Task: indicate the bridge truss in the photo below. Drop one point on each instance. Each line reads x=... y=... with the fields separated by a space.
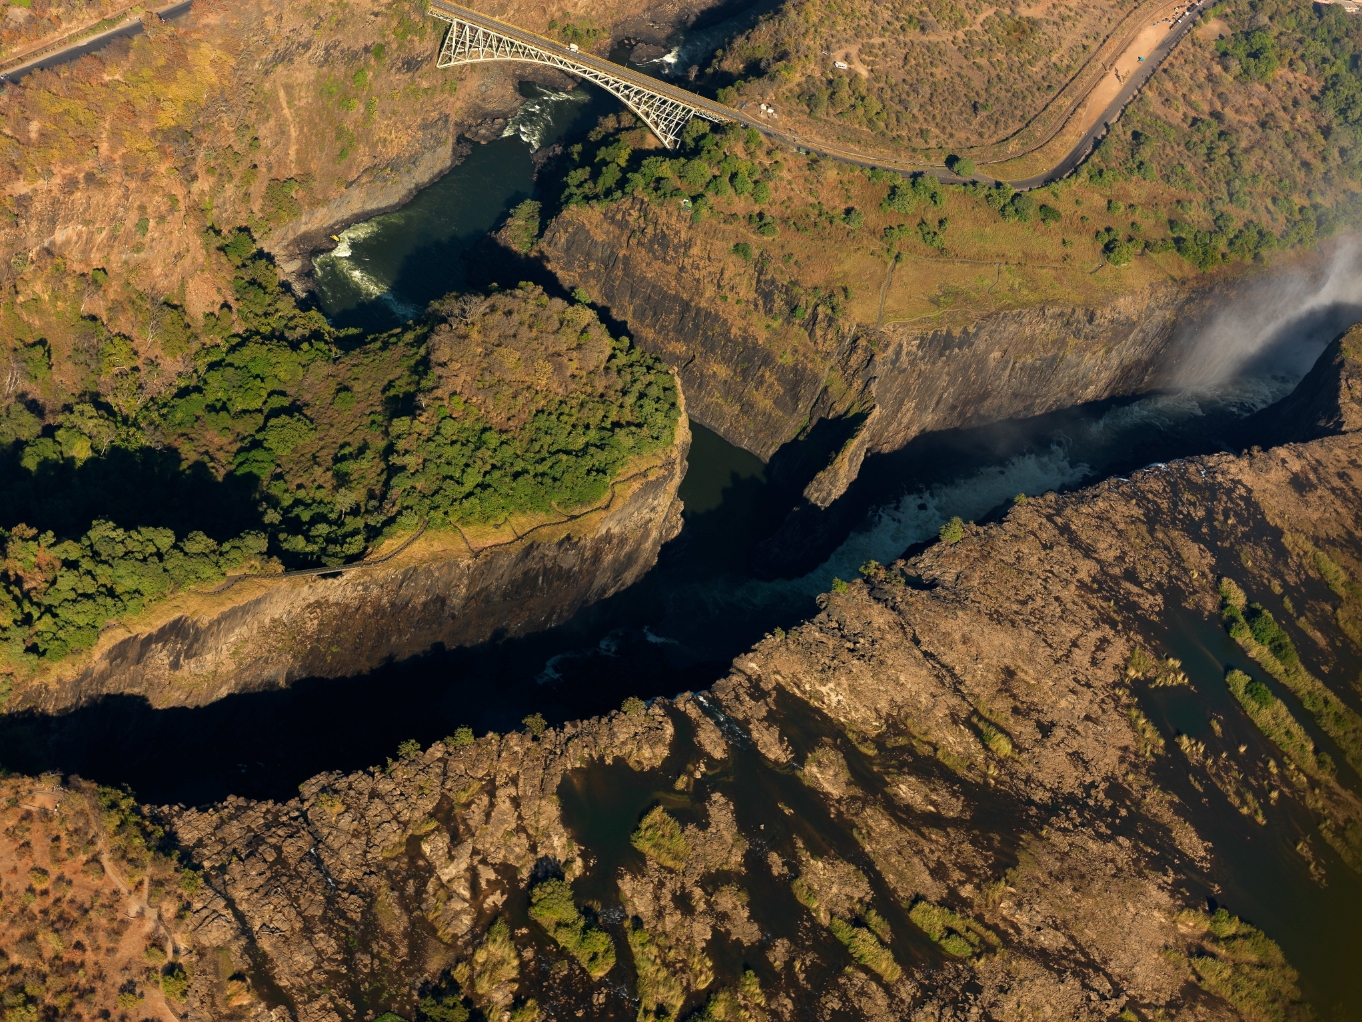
x=470 y=43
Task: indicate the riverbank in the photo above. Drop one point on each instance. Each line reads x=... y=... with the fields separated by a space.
x=964 y=762
x=448 y=587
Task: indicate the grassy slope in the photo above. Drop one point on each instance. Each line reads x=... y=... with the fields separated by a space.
x=1219 y=161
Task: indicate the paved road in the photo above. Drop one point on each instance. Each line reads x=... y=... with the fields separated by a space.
x=80 y=49
x=1151 y=63
x=608 y=67
x=1063 y=168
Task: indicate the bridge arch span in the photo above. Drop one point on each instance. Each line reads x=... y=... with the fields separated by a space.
x=665 y=110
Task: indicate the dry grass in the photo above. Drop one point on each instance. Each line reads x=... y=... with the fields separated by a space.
x=89 y=914
x=955 y=73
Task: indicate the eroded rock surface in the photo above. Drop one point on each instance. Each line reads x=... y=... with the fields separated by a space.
x=954 y=794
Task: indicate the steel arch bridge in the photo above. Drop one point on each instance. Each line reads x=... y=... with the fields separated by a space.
x=474 y=38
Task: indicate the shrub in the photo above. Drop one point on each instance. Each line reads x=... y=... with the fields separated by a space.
x=496 y=960
x=954 y=934
x=961 y=166
x=442 y=1007
x=1020 y=207
x=1239 y=963
x=998 y=743
x=552 y=907
x=1257 y=631
x=1119 y=253
x=175 y=981
x=659 y=837
x=866 y=949
x=1049 y=214
x=743 y=251
x=634 y=706
x=462 y=736
x=1278 y=724
x=660 y=993
x=953 y=531
x=522 y=227
x=536 y=724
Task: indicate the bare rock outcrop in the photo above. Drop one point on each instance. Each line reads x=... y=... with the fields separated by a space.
x=959 y=792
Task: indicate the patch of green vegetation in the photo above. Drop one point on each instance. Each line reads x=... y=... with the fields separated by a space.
x=634 y=706
x=1139 y=663
x=281 y=203
x=285 y=444
x=710 y=163
x=1257 y=631
x=175 y=981
x=535 y=724
x=954 y=934
x=659 y=837
x=1275 y=721
x=522 y=227
x=1147 y=737
x=960 y=165
x=659 y=992
x=1349 y=612
x=552 y=907
x=997 y=742
x=866 y=949
x=953 y=531
x=55 y=597
x=1239 y=963
x=495 y=962
x=443 y=1006
x=726 y=1006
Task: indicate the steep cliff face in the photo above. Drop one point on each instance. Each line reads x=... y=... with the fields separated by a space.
x=292 y=120
x=841 y=388
x=982 y=784
x=445 y=588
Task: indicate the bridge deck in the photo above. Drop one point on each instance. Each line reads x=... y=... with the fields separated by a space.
x=608 y=67
x=447 y=10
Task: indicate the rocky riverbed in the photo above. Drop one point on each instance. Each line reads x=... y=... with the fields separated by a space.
x=1004 y=777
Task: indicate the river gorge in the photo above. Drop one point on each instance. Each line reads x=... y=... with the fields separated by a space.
x=914 y=612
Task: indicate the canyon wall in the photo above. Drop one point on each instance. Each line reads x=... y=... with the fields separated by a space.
x=973 y=786
x=850 y=389
x=263 y=633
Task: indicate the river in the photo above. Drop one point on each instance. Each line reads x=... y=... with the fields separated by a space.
x=704 y=602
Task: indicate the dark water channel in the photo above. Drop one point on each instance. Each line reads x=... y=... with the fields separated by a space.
x=706 y=601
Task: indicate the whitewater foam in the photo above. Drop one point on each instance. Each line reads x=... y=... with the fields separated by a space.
x=536 y=116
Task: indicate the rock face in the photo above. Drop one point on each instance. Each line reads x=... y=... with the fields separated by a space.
x=962 y=791
x=858 y=390
x=1327 y=401
x=444 y=589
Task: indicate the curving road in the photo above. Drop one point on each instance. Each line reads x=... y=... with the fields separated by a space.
x=1063 y=168
x=1129 y=91
x=75 y=50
